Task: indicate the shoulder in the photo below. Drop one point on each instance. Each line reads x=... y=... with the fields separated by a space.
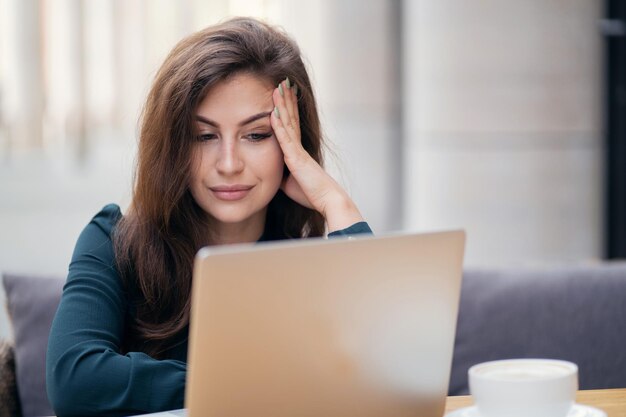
x=96 y=238
x=107 y=218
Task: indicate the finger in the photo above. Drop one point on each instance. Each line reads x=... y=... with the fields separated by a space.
x=287 y=139
x=281 y=114
x=284 y=107
x=294 y=154
x=290 y=103
x=296 y=115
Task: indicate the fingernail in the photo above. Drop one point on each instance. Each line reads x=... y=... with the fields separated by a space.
x=280 y=89
x=288 y=83
x=276 y=112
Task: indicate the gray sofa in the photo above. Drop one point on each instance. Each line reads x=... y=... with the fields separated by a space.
x=576 y=313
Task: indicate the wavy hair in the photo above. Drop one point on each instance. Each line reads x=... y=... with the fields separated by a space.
x=156 y=240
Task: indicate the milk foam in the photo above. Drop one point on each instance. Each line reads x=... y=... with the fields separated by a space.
x=524 y=372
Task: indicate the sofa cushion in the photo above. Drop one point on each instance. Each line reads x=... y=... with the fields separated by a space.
x=575 y=313
x=32 y=303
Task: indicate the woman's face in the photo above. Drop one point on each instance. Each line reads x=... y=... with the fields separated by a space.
x=238 y=163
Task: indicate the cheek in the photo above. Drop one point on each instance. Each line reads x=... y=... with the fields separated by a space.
x=274 y=162
x=266 y=162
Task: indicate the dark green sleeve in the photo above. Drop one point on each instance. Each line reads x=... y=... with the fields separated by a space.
x=85 y=373
x=356 y=229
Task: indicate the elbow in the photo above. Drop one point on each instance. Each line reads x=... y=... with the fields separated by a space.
x=66 y=390
x=60 y=393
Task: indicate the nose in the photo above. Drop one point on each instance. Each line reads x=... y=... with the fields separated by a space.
x=229 y=161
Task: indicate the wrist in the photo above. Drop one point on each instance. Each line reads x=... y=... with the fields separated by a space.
x=341 y=213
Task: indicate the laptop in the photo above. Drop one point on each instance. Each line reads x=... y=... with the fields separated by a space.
x=313 y=327
x=342 y=327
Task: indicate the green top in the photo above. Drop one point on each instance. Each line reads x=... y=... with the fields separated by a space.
x=85 y=372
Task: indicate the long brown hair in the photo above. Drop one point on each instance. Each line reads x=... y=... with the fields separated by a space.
x=157 y=239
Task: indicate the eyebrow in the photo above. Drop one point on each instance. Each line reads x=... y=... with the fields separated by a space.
x=244 y=122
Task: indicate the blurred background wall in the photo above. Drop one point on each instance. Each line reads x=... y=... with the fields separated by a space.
x=503 y=124
x=479 y=114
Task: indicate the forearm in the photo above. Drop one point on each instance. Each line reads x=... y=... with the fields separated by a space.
x=91 y=382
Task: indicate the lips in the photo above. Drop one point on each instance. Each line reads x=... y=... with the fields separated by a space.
x=231 y=192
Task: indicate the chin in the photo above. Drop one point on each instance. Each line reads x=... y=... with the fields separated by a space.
x=229 y=218
x=230 y=215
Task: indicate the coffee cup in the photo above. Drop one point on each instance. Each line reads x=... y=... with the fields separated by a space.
x=524 y=387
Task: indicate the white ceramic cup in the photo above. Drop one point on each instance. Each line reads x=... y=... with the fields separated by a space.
x=524 y=387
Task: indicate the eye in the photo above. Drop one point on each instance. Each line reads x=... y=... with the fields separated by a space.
x=205 y=137
x=257 y=137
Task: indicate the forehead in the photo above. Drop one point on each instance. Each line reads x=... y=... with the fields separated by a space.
x=236 y=98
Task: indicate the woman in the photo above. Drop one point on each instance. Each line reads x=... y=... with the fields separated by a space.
x=229 y=152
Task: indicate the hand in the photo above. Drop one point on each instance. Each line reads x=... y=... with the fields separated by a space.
x=308 y=184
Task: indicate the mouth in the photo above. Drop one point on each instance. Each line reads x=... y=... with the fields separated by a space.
x=231 y=192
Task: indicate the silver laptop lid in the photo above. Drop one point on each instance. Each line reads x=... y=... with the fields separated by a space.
x=313 y=327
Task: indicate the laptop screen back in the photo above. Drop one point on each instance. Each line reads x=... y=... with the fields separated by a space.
x=315 y=327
